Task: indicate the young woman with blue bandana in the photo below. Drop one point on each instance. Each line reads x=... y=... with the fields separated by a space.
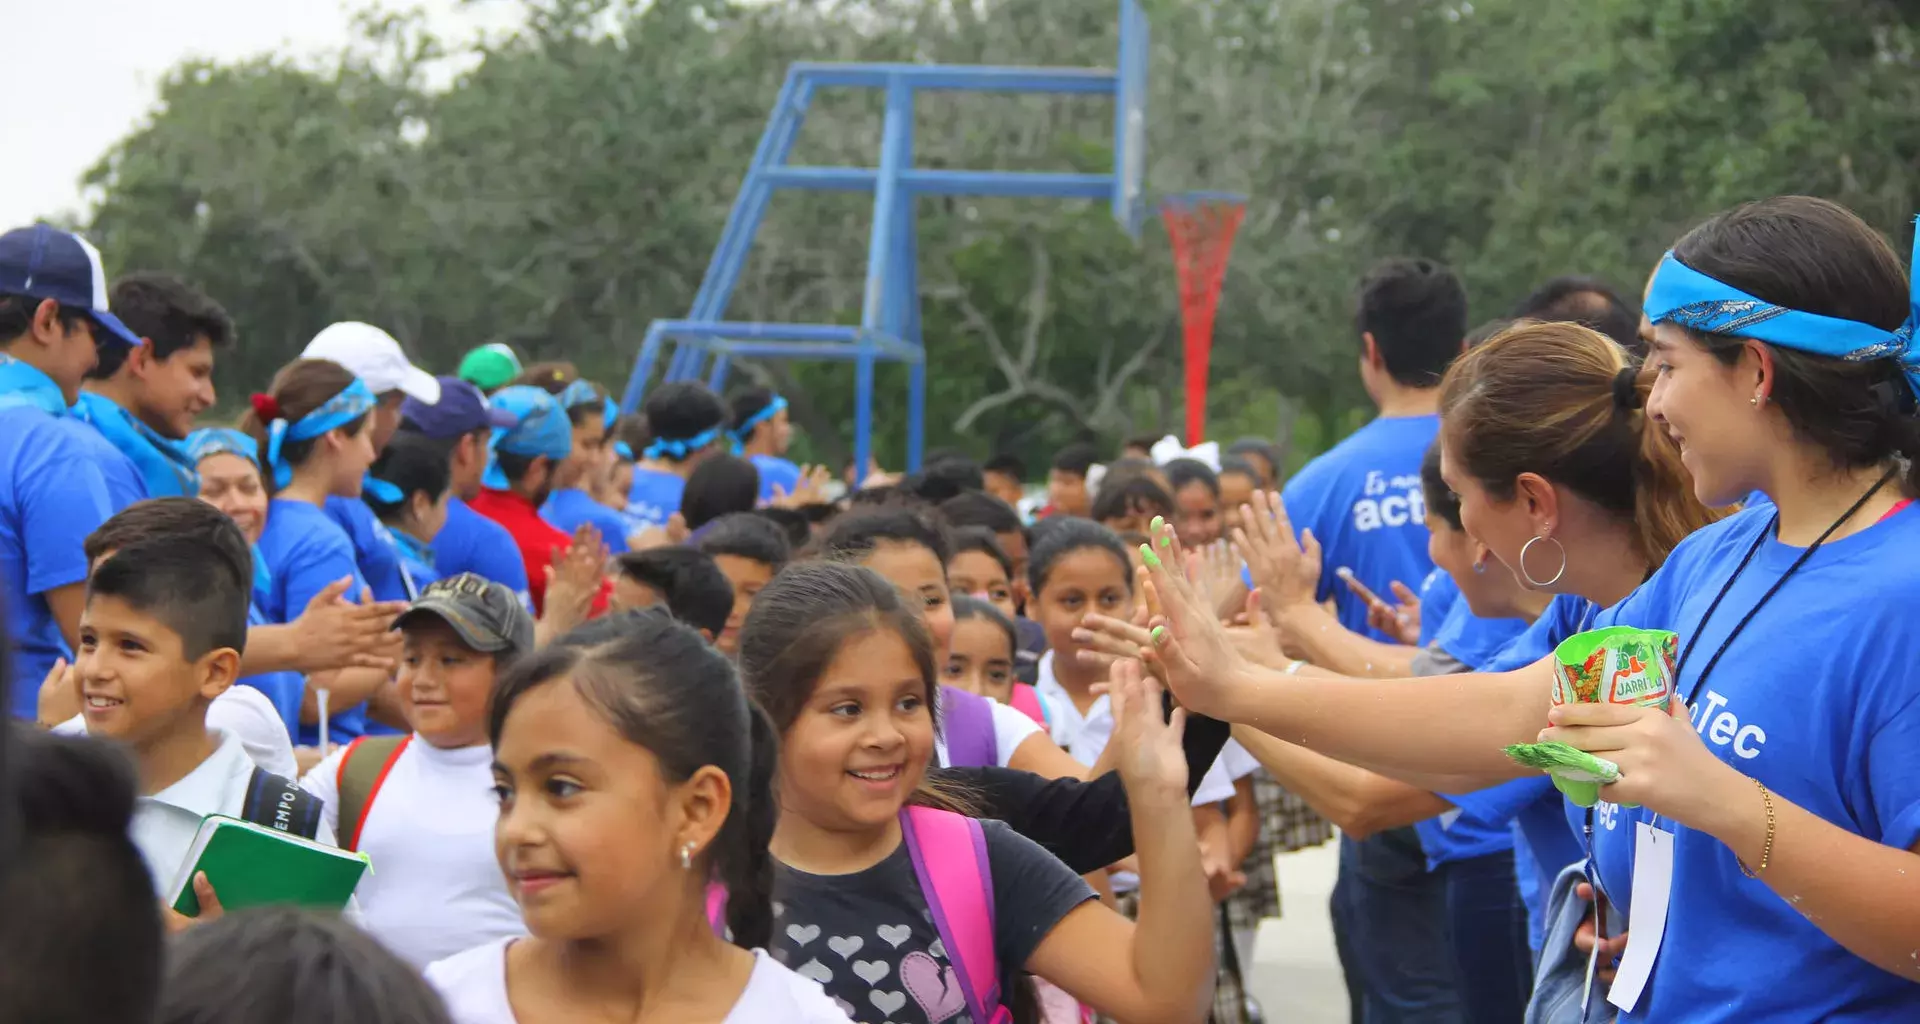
x=314 y=444
x=761 y=433
x=1769 y=870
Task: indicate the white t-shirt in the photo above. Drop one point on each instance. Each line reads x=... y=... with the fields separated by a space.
x=1085 y=737
x=1011 y=727
x=165 y=823
x=435 y=888
x=243 y=713
x=474 y=985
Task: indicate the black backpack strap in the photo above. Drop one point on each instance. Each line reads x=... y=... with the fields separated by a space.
x=280 y=804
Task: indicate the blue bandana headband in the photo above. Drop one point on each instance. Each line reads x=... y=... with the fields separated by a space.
x=1684 y=297
x=577 y=394
x=353 y=402
x=745 y=430
x=623 y=450
x=222 y=441
x=682 y=449
x=541 y=429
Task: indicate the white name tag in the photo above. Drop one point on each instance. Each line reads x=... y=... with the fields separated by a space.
x=1652 y=888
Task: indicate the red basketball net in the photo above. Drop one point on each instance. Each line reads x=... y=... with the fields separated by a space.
x=1202 y=230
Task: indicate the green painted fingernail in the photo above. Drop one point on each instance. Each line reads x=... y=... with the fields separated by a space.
x=1166 y=542
x=1159 y=635
x=1157 y=523
x=1147 y=553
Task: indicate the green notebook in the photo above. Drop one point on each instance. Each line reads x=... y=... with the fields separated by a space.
x=251 y=865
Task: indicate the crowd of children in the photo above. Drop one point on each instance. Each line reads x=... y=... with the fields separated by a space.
x=632 y=718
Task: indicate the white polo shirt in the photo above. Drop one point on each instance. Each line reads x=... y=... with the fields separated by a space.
x=165 y=823
x=246 y=714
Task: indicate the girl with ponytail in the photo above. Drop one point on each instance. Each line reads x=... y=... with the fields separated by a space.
x=634 y=777
x=1779 y=802
x=314 y=444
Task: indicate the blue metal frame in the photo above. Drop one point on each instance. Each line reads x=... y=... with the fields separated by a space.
x=889 y=327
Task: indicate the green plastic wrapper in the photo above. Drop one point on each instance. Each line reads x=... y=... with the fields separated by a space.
x=1616 y=665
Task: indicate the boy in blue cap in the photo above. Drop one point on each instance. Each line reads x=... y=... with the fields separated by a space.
x=462 y=423
x=53 y=308
x=518 y=479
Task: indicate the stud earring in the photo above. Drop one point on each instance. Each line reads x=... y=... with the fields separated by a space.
x=686 y=856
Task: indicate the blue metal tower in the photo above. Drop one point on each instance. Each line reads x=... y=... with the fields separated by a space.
x=889 y=326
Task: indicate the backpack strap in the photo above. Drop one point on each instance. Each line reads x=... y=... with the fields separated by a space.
x=280 y=804
x=967 y=723
x=1026 y=700
x=949 y=854
x=363 y=770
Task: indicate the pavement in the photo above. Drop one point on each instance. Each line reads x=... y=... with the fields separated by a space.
x=1296 y=974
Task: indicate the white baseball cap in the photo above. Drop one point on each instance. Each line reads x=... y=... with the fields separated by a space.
x=374 y=357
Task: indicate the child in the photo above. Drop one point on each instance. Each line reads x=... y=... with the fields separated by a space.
x=1126 y=504
x=1196 y=502
x=722 y=485
x=161 y=637
x=284 y=965
x=418 y=804
x=687 y=582
x=1238 y=480
x=978 y=508
x=631 y=773
x=314 y=443
x=982 y=658
x=749 y=549
x=909 y=550
x=520 y=476
x=846 y=670
x=1006 y=478
x=980 y=568
x=1067 y=482
x=762 y=432
x=408 y=489
x=76 y=892
x=571 y=502
x=687 y=423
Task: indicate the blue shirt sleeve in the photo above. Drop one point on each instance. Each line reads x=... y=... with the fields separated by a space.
x=62 y=498
x=373 y=554
x=470 y=542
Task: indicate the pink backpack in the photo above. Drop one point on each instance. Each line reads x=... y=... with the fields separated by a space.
x=1026 y=700
x=949 y=853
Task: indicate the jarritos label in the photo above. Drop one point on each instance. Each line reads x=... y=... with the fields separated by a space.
x=1617 y=665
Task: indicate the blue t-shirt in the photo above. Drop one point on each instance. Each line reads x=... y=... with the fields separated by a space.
x=1816 y=699
x=163 y=466
x=284 y=689
x=1481 y=823
x=1362 y=500
x=373 y=550
x=567 y=509
x=306 y=550
x=1438 y=594
x=775 y=471
x=470 y=542
x=1472 y=640
x=51 y=496
x=124 y=483
x=654 y=496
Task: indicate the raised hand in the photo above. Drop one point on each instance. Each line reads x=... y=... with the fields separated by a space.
x=1191 y=649
x=1401 y=621
x=337 y=632
x=59 y=694
x=1150 y=758
x=810 y=489
x=1286 y=570
x=1216 y=576
x=573 y=580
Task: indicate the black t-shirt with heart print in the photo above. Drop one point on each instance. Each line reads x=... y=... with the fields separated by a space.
x=869 y=939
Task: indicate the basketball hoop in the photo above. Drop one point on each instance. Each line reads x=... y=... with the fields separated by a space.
x=1201 y=226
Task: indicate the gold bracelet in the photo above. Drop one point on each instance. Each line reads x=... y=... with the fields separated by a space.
x=1766 y=851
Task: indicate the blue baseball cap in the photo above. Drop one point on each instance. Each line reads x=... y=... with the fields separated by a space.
x=461 y=410
x=540 y=427
x=44 y=262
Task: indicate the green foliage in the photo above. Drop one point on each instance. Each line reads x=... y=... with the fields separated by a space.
x=569 y=185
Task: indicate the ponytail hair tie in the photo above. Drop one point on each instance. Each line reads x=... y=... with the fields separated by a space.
x=1626 y=389
x=266 y=407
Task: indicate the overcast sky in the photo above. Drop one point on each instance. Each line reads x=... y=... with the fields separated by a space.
x=86 y=72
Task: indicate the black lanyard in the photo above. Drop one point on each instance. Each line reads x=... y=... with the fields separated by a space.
x=1693 y=694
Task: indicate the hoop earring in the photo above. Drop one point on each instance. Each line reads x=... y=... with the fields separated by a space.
x=1527 y=577
x=686 y=857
